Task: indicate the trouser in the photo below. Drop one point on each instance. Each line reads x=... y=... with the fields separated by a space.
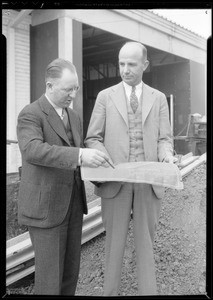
x=57 y=252
x=116 y=213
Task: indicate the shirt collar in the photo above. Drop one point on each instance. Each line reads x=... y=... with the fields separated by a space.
x=128 y=89
x=57 y=108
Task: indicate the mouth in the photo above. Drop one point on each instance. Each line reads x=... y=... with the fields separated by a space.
x=127 y=78
x=68 y=102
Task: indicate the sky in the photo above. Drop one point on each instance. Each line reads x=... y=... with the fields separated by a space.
x=196 y=20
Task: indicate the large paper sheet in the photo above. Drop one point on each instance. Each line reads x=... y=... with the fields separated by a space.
x=157 y=173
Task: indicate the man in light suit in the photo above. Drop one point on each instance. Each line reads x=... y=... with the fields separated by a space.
x=51 y=199
x=130 y=123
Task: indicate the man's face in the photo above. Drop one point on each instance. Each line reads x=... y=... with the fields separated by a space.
x=63 y=90
x=132 y=64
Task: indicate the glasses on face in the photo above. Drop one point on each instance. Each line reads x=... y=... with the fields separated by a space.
x=73 y=89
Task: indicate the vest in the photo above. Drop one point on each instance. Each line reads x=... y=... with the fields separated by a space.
x=69 y=133
x=135 y=133
x=77 y=174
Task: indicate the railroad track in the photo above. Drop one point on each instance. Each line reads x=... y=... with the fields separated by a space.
x=19 y=251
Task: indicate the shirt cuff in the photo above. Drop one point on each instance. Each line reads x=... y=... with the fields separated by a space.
x=79 y=157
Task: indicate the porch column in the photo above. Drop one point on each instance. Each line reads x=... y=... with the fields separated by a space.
x=70 y=48
x=11 y=86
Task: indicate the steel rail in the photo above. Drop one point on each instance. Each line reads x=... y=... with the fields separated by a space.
x=19 y=251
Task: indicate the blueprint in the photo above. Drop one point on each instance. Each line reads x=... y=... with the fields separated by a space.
x=157 y=173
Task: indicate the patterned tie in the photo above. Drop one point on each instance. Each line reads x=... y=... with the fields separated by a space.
x=64 y=117
x=133 y=100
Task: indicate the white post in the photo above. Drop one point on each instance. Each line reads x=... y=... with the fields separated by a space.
x=65 y=38
x=11 y=86
x=172 y=113
x=205 y=112
x=70 y=36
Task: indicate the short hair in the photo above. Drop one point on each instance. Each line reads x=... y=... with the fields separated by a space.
x=55 y=69
x=143 y=48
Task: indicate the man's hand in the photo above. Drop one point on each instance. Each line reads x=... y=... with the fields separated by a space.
x=170 y=159
x=94 y=158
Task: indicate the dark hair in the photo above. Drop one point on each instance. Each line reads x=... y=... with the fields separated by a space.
x=55 y=68
x=143 y=48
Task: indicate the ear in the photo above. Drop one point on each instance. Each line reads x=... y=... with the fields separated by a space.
x=49 y=86
x=145 y=65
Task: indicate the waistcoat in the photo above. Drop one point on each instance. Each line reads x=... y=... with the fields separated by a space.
x=135 y=133
x=69 y=133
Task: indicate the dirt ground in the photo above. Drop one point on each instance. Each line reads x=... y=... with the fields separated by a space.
x=180 y=248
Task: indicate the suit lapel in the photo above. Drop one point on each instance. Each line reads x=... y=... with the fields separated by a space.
x=53 y=119
x=118 y=96
x=148 y=100
x=57 y=125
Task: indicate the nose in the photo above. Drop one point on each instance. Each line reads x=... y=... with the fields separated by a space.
x=126 y=69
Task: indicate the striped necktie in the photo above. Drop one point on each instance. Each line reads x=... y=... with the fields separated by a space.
x=133 y=100
x=64 y=117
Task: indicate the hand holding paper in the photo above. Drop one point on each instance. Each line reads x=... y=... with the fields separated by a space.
x=94 y=158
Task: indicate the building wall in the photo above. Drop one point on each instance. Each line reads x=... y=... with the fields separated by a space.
x=21 y=83
x=18 y=80
x=22 y=70
x=198 y=88
x=13 y=158
x=43 y=49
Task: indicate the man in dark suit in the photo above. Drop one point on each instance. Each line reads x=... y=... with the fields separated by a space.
x=51 y=199
x=130 y=123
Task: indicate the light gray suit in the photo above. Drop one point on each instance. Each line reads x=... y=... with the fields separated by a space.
x=109 y=131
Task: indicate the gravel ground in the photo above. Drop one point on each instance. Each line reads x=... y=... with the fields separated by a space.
x=180 y=248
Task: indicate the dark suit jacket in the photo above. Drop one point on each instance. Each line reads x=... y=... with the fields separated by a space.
x=48 y=164
x=108 y=130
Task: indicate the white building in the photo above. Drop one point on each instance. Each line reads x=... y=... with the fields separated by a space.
x=91 y=39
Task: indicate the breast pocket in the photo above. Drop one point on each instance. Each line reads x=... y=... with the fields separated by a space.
x=34 y=200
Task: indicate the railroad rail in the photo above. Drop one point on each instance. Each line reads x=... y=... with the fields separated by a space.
x=19 y=250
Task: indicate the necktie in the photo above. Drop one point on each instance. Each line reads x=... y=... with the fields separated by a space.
x=133 y=100
x=64 y=117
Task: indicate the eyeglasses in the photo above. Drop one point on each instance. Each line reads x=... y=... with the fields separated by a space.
x=75 y=88
x=71 y=90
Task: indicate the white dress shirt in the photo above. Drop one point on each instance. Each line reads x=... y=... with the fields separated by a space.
x=57 y=108
x=128 y=90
